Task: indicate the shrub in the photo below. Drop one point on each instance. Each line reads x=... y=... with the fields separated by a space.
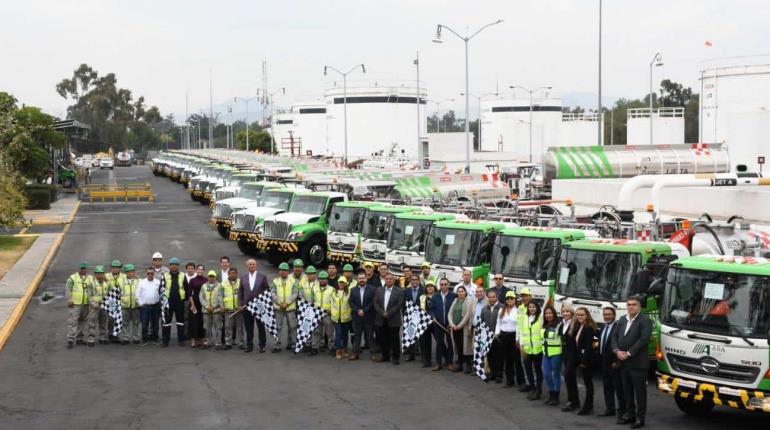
x=38 y=198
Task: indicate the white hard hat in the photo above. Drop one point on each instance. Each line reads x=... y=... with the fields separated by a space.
x=157 y=255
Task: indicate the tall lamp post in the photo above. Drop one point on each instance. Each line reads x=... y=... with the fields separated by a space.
x=465 y=39
x=235 y=100
x=513 y=87
x=268 y=99
x=480 y=98
x=657 y=61
x=345 y=98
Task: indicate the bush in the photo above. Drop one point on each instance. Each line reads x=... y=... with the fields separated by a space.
x=38 y=198
x=53 y=190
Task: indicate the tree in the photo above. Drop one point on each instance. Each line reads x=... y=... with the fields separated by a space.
x=673 y=94
x=258 y=140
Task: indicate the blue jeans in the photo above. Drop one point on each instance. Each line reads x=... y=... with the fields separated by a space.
x=149 y=315
x=341 y=334
x=552 y=372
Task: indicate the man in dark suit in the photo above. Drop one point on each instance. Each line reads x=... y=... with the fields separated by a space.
x=361 y=303
x=630 y=344
x=608 y=364
x=438 y=308
x=495 y=355
x=412 y=293
x=389 y=304
x=253 y=284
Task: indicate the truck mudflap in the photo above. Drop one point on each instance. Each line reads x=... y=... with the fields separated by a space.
x=342 y=257
x=739 y=398
x=282 y=246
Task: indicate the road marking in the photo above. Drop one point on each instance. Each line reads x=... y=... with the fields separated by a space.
x=176 y=243
x=134 y=212
x=111 y=177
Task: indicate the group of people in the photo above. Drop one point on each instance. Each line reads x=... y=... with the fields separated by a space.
x=531 y=346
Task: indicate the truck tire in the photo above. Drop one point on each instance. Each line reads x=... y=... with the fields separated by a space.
x=246 y=247
x=223 y=231
x=693 y=408
x=274 y=257
x=67 y=183
x=203 y=201
x=313 y=252
x=193 y=198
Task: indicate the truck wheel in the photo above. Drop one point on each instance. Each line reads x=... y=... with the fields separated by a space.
x=693 y=408
x=203 y=201
x=193 y=198
x=274 y=257
x=246 y=248
x=67 y=183
x=223 y=231
x=313 y=252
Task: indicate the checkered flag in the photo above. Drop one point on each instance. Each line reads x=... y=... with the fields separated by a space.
x=482 y=341
x=308 y=318
x=416 y=321
x=163 y=301
x=262 y=309
x=111 y=304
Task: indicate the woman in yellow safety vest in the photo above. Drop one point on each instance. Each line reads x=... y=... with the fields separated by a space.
x=551 y=354
x=341 y=317
x=531 y=345
x=426 y=339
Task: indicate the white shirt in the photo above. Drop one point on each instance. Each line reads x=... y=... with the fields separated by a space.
x=252 y=280
x=387 y=297
x=628 y=325
x=224 y=274
x=605 y=339
x=470 y=288
x=361 y=291
x=565 y=327
x=147 y=292
x=189 y=278
x=507 y=322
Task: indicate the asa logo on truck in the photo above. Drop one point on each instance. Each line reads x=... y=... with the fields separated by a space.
x=705 y=349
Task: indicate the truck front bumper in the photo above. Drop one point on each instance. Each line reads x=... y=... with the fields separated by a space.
x=343 y=257
x=282 y=246
x=739 y=398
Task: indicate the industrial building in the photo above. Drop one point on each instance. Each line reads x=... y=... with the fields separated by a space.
x=301 y=130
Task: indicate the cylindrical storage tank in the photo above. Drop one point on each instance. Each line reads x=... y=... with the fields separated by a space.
x=380 y=118
x=283 y=129
x=505 y=125
x=668 y=126
x=310 y=126
x=625 y=161
x=578 y=129
x=735 y=107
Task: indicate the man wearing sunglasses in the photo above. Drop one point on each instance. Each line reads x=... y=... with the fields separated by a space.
x=499 y=286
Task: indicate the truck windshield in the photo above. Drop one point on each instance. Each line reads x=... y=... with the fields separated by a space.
x=409 y=235
x=714 y=302
x=346 y=219
x=525 y=257
x=251 y=192
x=376 y=225
x=311 y=205
x=454 y=247
x=278 y=200
x=597 y=275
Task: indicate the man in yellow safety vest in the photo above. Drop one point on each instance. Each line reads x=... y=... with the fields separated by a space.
x=229 y=290
x=284 y=292
x=131 y=320
x=77 y=290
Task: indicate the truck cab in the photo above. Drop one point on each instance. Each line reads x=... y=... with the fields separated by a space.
x=458 y=245
x=300 y=232
x=715 y=332
x=247 y=222
x=407 y=236
x=375 y=232
x=248 y=196
x=232 y=186
x=344 y=235
x=529 y=257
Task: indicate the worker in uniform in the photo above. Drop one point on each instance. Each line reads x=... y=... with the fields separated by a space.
x=308 y=293
x=131 y=320
x=77 y=290
x=211 y=306
x=405 y=280
x=425 y=274
x=117 y=279
x=285 y=294
x=327 y=327
x=230 y=287
x=157 y=265
x=525 y=296
x=347 y=272
x=173 y=287
x=298 y=274
x=98 y=293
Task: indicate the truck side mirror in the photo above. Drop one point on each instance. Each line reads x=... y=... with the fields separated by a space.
x=543 y=276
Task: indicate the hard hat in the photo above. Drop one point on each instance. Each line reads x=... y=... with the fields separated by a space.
x=425 y=264
x=283 y=266
x=116 y=263
x=310 y=270
x=323 y=275
x=430 y=281
x=510 y=294
x=83 y=265
x=347 y=268
x=299 y=263
x=212 y=273
x=129 y=267
x=99 y=269
x=157 y=255
x=525 y=292
x=342 y=279
x=368 y=264
x=173 y=260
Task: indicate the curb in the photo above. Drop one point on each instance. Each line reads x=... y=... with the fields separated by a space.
x=13 y=320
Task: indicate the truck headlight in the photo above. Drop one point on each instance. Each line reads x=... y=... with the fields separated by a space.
x=295 y=235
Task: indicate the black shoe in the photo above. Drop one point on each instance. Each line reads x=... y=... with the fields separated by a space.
x=586 y=410
x=637 y=424
x=124 y=342
x=181 y=343
x=508 y=386
x=275 y=349
x=241 y=347
x=103 y=342
x=164 y=345
x=91 y=344
x=261 y=349
x=606 y=413
x=623 y=420
x=248 y=349
x=313 y=351
x=218 y=348
x=498 y=380
x=525 y=388
x=409 y=358
x=395 y=361
x=80 y=342
x=227 y=347
x=136 y=342
x=426 y=365
x=70 y=345
x=568 y=408
x=531 y=395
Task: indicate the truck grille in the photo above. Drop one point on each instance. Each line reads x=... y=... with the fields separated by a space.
x=221 y=195
x=193 y=183
x=276 y=230
x=372 y=255
x=342 y=247
x=726 y=371
x=244 y=222
x=222 y=210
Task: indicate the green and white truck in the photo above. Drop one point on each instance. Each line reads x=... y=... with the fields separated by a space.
x=344 y=235
x=528 y=257
x=248 y=195
x=247 y=222
x=407 y=236
x=458 y=245
x=300 y=232
x=374 y=236
x=715 y=332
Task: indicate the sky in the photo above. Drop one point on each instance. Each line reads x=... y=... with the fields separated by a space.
x=166 y=49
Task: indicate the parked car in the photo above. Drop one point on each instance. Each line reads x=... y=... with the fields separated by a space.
x=106 y=163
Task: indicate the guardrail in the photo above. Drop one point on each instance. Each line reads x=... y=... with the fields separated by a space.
x=116 y=193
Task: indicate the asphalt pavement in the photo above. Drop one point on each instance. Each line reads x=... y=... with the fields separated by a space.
x=43 y=385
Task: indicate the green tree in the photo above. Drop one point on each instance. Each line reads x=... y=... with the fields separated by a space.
x=258 y=140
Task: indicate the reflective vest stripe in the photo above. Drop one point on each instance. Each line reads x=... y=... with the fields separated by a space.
x=128 y=293
x=230 y=293
x=552 y=341
x=78 y=292
x=180 y=280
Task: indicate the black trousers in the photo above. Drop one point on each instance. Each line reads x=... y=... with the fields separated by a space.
x=533 y=366
x=175 y=311
x=363 y=330
x=390 y=344
x=426 y=343
x=248 y=322
x=458 y=338
x=634 y=383
x=570 y=381
x=495 y=360
x=613 y=388
x=511 y=361
x=588 y=381
x=443 y=346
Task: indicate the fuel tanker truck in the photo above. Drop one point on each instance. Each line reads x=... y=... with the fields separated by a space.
x=481 y=187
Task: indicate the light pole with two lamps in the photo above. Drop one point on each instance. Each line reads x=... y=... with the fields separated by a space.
x=513 y=87
x=345 y=98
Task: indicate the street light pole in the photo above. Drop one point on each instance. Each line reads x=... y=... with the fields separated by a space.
x=657 y=61
x=513 y=87
x=465 y=39
x=599 y=104
x=345 y=99
x=267 y=99
x=235 y=100
x=479 y=99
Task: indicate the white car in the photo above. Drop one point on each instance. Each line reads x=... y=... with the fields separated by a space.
x=106 y=163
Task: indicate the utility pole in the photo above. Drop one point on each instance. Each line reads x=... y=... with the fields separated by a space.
x=210 y=143
x=419 y=143
x=599 y=110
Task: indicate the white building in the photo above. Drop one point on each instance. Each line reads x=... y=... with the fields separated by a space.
x=667 y=126
x=735 y=108
x=379 y=119
x=301 y=130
